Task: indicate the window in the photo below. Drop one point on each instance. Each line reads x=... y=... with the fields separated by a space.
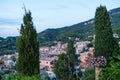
x=46 y=62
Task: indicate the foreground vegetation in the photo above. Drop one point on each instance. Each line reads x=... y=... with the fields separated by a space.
x=16 y=76
x=106 y=61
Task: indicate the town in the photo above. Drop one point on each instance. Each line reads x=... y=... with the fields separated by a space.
x=49 y=55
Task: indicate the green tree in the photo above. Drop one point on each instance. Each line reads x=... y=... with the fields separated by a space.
x=116 y=49
x=16 y=76
x=104 y=36
x=88 y=74
x=72 y=58
x=28 y=48
x=111 y=72
x=61 y=68
x=65 y=66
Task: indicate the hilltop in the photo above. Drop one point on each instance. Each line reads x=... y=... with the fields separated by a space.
x=81 y=30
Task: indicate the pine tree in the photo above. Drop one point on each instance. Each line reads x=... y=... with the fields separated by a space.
x=72 y=58
x=28 y=48
x=104 y=36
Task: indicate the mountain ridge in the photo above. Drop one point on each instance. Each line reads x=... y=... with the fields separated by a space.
x=78 y=30
x=47 y=37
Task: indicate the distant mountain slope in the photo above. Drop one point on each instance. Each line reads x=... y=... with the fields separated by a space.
x=7 y=45
x=81 y=30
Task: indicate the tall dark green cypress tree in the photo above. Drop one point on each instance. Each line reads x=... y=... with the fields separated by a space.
x=61 y=68
x=28 y=48
x=72 y=58
x=104 y=36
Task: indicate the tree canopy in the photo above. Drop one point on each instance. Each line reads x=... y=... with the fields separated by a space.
x=103 y=33
x=28 y=48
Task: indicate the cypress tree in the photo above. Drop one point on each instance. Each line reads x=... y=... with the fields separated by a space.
x=65 y=66
x=104 y=36
x=116 y=50
x=61 y=68
x=72 y=58
x=28 y=48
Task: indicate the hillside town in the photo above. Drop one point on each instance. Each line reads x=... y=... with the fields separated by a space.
x=59 y=40
x=48 y=56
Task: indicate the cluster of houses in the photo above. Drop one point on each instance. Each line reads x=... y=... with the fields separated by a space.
x=49 y=55
x=84 y=57
x=7 y=62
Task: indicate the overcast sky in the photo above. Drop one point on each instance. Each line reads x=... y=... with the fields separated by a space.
x=48 y=13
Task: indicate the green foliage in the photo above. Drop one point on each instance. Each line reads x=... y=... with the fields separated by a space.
x=78 y=30
x=61 y=67
x=65 y=66
x=104 y=36
x=113 y=71
x=7 y=45
x=89 y=74
x=116 y=49
x=71 y=52
x=16 y=76
x=28 y=48
x=72 y=57
x=35 y=77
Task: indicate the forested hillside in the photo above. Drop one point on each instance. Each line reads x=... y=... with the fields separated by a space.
x=81 y=30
